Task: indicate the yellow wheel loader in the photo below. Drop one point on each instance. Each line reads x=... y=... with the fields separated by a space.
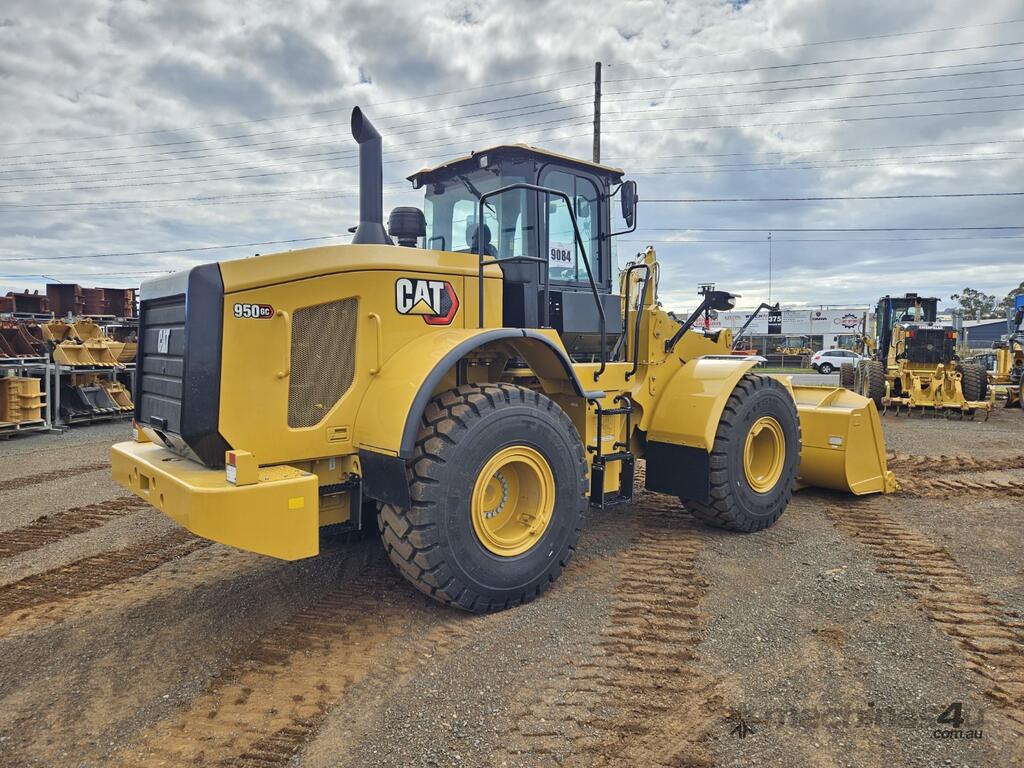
x=467 y=391
x=915 y=365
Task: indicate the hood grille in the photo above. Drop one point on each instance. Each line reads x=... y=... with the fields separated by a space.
x=323 y=350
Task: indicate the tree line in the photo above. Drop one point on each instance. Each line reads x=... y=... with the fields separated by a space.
x=978 y=305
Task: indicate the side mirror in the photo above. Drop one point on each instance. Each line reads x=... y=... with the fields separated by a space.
x=628 y=200
x=720 y=301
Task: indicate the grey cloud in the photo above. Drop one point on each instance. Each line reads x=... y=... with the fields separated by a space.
x=202 y=87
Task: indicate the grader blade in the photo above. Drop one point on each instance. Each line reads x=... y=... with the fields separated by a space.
x=843 y=447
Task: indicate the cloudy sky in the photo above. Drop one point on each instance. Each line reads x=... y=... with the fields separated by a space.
x=132 y=128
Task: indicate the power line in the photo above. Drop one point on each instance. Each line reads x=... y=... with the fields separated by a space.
x=339 y=154
x=245 y=148
x=506 y=82
x=641 y=95
x=842 y=40
x=26 y=188
x=821 y=122
x=175 y=250
x=265 y=133
x=835 y=197
x=270 y=145
x=835 y=150
x=923 y=92
x=838 y=165
x=506 y=98
x=851 y=60
x=827 y=229
x=331 y=157
x=761 y=241
x=643 y=114
x=317 y=112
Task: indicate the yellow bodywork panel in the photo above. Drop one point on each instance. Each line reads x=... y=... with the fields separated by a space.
x=842 y=443
x=276 y=516
x=389 y=397
x=388 y=351
x=687 y=409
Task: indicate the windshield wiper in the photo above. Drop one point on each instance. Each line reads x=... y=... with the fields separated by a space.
x=474 y=191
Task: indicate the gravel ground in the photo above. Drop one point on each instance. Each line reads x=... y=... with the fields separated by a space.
x=836 y=638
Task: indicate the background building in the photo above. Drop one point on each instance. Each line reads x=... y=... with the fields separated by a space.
x=821 y=328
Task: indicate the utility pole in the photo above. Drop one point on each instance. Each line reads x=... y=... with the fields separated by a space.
x=597 y=111
x=769 y=267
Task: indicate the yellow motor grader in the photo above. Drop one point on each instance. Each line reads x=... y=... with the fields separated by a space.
x=915 y=365
x=1008 y=373
x=468 y=391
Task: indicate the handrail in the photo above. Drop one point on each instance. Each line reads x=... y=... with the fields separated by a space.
x=287 y=371
x=636 y=327
x=547 y=274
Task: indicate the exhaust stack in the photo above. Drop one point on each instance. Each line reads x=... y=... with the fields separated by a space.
x=371 y=185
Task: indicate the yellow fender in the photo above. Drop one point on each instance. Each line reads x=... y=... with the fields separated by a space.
x=682 y=424
x=688 y=409
x=389 y=415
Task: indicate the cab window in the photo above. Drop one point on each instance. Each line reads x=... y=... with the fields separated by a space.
x=564 y=257
x=451 y=209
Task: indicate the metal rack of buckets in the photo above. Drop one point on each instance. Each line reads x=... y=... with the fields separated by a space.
x=59 y=373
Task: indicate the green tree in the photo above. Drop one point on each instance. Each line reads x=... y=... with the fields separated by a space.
x=976 y=305
x=1007 y=304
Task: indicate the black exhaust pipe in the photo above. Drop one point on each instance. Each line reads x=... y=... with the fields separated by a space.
x=371 y=183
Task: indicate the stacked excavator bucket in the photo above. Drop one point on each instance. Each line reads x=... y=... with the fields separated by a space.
x=21 y=400
x=81 y=344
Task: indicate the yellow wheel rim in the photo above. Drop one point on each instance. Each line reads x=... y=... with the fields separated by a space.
x=513 y=500
x=764 y=454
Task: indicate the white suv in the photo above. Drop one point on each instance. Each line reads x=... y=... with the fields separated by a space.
x=828 y=360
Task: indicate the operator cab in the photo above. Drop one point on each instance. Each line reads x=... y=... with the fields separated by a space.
x=531 y=224
x=921 y=338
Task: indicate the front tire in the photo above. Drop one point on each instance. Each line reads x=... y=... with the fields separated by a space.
x=847 y=376
x=498 y=483
x=825 y=369
x=871 y=380
x=973 y=381
x=755 y=458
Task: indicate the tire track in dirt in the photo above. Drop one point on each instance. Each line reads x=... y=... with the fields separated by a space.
x=272 y=699
x=51 y=475
x=50 y=528
x=639 y=697
x=985 y=630
x=79 y=579
x=942 y=488
x=264 y=705
x=918 y=465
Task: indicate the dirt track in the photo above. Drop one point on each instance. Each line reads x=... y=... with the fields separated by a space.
x=835 y=638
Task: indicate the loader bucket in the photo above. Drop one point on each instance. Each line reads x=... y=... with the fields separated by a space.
x=843 y=446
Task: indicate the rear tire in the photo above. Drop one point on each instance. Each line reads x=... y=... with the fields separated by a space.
x=973 y=381
x=871 y=380
x=748 y=495
x=464 y=541
x=847 y=375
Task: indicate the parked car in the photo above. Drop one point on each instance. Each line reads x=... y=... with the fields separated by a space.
x=828 y=360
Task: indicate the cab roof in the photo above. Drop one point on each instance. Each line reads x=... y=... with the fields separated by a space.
x=472 y=161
